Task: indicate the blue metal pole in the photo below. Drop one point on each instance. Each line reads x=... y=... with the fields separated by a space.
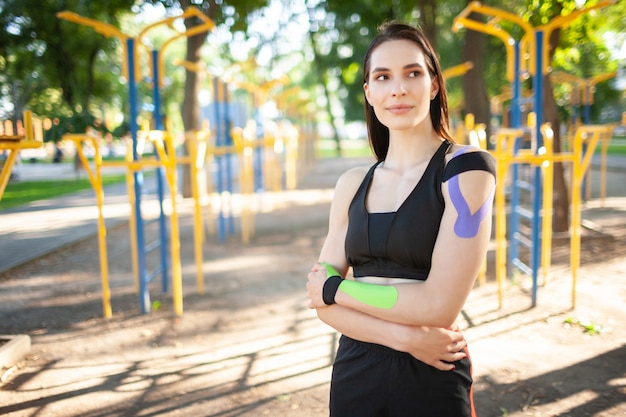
x=229 y=142
x=160 y=174
x=516 y=121
x=258 y=152
x=156 y=94
x=144 y=295
x=537 y=182
x=219 y=141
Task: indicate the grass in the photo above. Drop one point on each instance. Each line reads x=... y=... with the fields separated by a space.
x=349 y=149
x=617 y=146
x=22 y=193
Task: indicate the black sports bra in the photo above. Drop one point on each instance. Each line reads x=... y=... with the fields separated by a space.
x=400 y=244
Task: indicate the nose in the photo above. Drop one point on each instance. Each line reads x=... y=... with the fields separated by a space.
x=398 y=89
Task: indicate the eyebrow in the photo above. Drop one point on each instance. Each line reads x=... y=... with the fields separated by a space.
x=409 y=66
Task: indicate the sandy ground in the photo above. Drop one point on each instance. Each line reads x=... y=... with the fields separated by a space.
x=248 y=345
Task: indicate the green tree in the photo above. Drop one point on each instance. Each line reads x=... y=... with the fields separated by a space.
x=55 y=67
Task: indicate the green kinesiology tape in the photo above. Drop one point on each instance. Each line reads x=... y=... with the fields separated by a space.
x=380 y=296
x=330 y=270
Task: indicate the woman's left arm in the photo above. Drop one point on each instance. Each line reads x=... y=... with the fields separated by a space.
x=458 y=254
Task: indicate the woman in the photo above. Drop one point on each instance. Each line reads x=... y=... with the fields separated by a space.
x=414 y=227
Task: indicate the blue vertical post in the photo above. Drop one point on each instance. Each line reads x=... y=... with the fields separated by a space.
x=258 y=151
x=156 y=95
x=516 y=121
x=219 y=141
x=144 y=295
x=537 y=180
x=228 y=142
x=160 y=174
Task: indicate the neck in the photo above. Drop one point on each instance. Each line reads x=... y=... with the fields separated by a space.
x=408 y=149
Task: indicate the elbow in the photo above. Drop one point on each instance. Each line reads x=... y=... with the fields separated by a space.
x=322 y=314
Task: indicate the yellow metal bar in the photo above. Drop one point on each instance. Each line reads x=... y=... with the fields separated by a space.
x=546 y=216
x=103 y=28
x=561 y=22
x=590 y=134
x=503 y=155
x=457 y=70
x=7 y=168
x=169 y=163
x=14 y=143
x=206 y=26
x=95 y=178
x=195 y=166
x=576 y=220
x=508 y=41
x=527 y=43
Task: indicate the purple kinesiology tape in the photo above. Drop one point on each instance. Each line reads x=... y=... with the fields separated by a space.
x=466 y=224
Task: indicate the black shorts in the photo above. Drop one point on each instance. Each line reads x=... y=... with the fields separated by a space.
x=370 y=380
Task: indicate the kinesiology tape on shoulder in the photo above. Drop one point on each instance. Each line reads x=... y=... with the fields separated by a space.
x=468 y=223
x=380 y=296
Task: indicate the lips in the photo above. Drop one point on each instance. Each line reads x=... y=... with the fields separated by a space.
x=399 y=108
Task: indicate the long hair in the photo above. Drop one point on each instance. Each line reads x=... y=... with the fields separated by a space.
x=378 y=133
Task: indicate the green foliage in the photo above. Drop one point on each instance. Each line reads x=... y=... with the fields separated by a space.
x=586 y=326
x=59 y=69
x=52 y=66
x=76 y=123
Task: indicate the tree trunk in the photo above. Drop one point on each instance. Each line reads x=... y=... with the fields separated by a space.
x=474 y=88
x=428 y=14
x=323 y=80
x=190 y=108
x=560 y=199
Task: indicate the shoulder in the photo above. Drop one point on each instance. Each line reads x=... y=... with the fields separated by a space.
x=351 y=179
x=347 y=186
x=464 y=158
x=457 y=150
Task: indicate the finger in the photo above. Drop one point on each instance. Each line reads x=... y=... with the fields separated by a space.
x=443 y=366
x=453 y=357
x=456 y=337
x=457 y=346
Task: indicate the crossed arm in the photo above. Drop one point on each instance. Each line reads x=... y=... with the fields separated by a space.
x=457 y=257
x=456 y=260
x=400 y=326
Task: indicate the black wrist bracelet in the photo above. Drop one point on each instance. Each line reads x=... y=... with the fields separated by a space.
x=331 y=285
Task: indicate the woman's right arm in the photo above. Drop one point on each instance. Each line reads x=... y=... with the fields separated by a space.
x=434 y=346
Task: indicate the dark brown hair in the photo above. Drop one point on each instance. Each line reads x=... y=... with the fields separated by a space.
x=377 y=132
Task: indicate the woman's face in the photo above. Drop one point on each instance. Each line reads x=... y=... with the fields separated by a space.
x=399 y=86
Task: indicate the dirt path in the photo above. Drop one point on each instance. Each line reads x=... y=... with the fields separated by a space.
x=249 y=346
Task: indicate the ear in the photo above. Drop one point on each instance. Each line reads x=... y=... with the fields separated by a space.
x=434 y=88
x=366 y=90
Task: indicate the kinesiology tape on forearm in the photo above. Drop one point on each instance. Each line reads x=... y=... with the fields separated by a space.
x=380 y=296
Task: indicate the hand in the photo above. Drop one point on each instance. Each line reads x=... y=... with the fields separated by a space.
x=315 y=285
x=435 y=346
